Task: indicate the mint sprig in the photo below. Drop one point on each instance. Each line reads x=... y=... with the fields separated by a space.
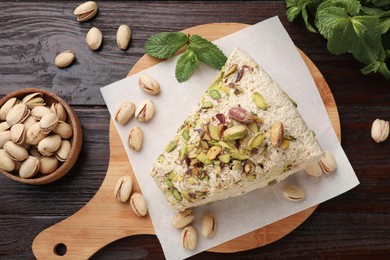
x=359 y=27
x=165 y=45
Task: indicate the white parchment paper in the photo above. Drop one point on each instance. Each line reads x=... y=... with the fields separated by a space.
x=270 y=45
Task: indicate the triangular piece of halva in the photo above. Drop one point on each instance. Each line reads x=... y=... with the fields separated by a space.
x=245 y=133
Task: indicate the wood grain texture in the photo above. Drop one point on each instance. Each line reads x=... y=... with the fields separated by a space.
x=88 y=230
x=354 y=225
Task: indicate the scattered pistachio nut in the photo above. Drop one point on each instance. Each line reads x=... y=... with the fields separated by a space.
x=380 y=130
x=183 y=218
x=17 y=114
x=6 y=163
x=328 y=163
x=148 y=84
x=314 y=169
x=64 y=59
x=29 y=167
x=48 y=165
x=6 y=107
x=94 y=38
x=208 y=225
x=85 y=11
x=189 y=238
x=293 y=193
x=145 y=111
x=276 y=134
x=125 y=112
x=135 y=138
x=123 y=36
x=138 y=204
x=123 y=188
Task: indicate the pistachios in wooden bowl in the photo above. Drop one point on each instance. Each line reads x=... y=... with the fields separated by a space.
x=40 y=136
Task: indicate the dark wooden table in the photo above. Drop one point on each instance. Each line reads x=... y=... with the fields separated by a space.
x=353 y=225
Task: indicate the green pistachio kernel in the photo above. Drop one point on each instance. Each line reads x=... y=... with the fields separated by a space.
x=251 y=177
x=202 y=157
x=207 y=104
x=177 y=195
x=259 y=101
x=285 y=144
x=235 y=132
x=183 y=152
x=171 y=175
x=237 y=165
x=186 y=134
x=213 y=152
x=239 y=155
x=225 y=158
x=214 y=94
x=161 y=158
x=253 y=127
x=256 y=141
x=214 y=132
x=169 y=148
x=169 y=183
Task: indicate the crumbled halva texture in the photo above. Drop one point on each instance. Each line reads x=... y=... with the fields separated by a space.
x=245 y=133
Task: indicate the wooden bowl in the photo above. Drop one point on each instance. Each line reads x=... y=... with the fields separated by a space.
x=75 y=140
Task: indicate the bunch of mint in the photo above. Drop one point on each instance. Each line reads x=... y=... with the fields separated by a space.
x=164 y=46
x=359 y=27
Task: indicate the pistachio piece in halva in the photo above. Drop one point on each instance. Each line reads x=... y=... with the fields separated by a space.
x=145 y=111
x=17 y=114
x=15 y=152
x=64 y=150
x=6 y=107
x=314 y=169
x=48 y=122
x=49 y=145
x=18 y=134
x=276 y=134
x=38 y=112
x=85 y=11
x=59 y=110
x=234 y=133
x=241 y=115
x=125 y=112
x=5 y=136
x=6 y=163
x=94 y=38
x=4 y=126
x=63 y=129
x=64 y=59
x=380 y=130
x=138 y=204
x=259 y=101
x=123 y=36
x=29 y=167
x=123 y=188
x=328 y=163
x=189 y=238
x=34 y=134
x=256 y=140
x=48 y=165
x=293 y=192
x=34 y=99
x=135 y=138
x=183 y=218
x=208 y=225
x=148 y=84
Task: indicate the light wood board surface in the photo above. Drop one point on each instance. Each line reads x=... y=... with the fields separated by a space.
x=104 y=220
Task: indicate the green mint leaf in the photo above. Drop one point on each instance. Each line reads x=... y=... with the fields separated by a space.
x=352 y=7
x=186 y=65
x=375 y=11
x=381 y=3
x=293 y=10
x=207 y=51
x=306 y=19
x=384 y=25
x=164 y=45
x=297 y=7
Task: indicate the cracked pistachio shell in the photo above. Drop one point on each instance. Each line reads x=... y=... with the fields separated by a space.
x=5 y=136
x=123 y=36
x=18 y=134
x=48 y=165
x=6 y=163
x=49 y=145
x=138 y=204
x=209 y=225
x=29 y=122
x=314 y=169
x=145 y=111
x=94 y=38
x=34 y=134
x=148 y=84
x=135 y=138
x=183 y=218
x=4 y=126
x=38 y=112
x=63 y=152
x=17 y=114
x=293 y=193
x=63 y=129
x=59 y=110
x=48 y=122
x=64 y=59
x=34 y=99
x=189 y=238
x=29 y=167
x=15 y=152
x=276 y=134
x=123 y=188
x=6 y=107
x=380 y=130
x=125 y=112
x=85 y=11
x=328 y=163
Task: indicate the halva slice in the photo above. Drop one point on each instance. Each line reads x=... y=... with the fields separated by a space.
x=244 y=134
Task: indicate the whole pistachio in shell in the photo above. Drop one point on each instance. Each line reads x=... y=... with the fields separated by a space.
x=5 y=136
x=34 y=134
x=189 y=238
x=29 y=122
x=208 y=225
x=6 y=107
x=33 y=151
x=148 y=84
x=85 y=11
x=6 y=163
x=145 y=111
x=138 y=204
x=328 y=163
x=123 y=188
x=4 y=126
x=135 y=138
x=183 y=218
x=123 y=36
x=29 y=167
x=125 y=112
x=47 y=165
x=64 y=150
x=64 y=59
x=48 y=122
x=49 y=145
x=18 y=134
x=17 y=114
x=63 y=129
x=314 y=169
x=59 y=110
x=380 y=130
x=34 y=99
x=94 y=38
x=38 y=112
x=15 y=152
x=293 y=193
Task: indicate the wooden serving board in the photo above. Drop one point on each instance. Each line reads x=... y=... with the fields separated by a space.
x=104 y=220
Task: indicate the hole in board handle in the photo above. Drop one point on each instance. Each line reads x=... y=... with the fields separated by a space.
x=60 y=249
